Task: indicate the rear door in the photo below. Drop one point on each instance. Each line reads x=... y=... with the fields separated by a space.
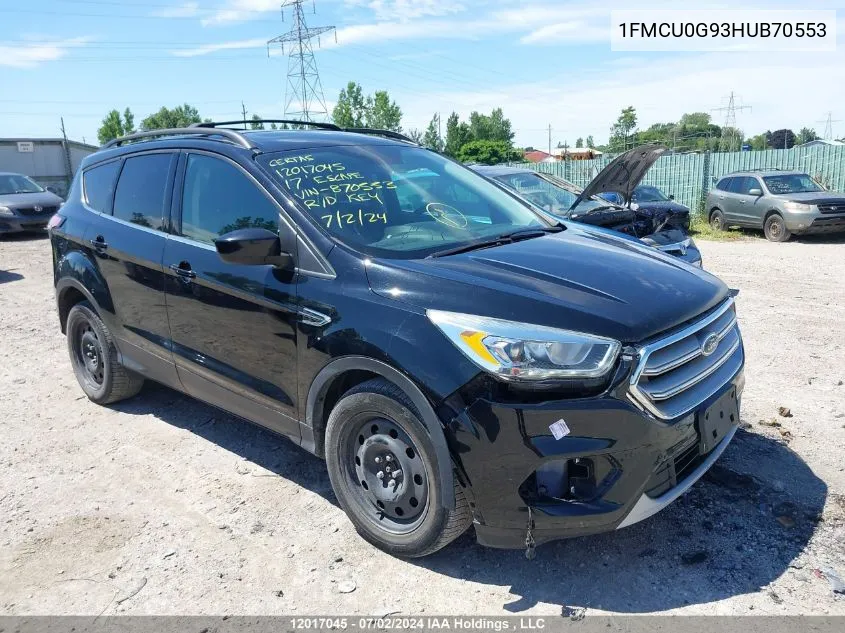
x=728 y=198
x=126 y=240
x=233 y=327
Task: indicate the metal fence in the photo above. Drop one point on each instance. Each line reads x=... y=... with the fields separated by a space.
x=690 y=176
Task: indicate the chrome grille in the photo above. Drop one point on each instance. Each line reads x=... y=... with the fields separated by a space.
x=674 y=375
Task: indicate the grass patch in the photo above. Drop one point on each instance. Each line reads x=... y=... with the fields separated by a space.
x=701 y=230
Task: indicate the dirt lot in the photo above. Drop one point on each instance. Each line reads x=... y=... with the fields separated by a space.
x=162 y=505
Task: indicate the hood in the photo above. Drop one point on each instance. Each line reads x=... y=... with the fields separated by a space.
x=582 y=279
x=814 y=197
x=623 y=173
x=662 y=205
x=27 y=200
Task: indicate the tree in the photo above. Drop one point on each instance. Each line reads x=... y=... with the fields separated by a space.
x=415 y=135
x=590 y=142
x=351 y=108
x=431 y=138
x=579 y=142
x=759 y=142
x=180 y=116
x=488 y=152
x=621 y=131
x=457 y=135
x=382 y=113
x=114 y=126
x=255 y=124
x=781 y=139
x=805 y=135
x=492 y=127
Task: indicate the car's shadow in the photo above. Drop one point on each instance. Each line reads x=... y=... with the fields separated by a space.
x=735 y=532
x=9 y=275
x=24 y=236
x=820 y=238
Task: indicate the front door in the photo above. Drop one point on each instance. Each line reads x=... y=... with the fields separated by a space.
x=233 y=327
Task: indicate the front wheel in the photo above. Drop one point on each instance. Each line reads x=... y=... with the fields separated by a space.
x=775 y=229
x=383 y=469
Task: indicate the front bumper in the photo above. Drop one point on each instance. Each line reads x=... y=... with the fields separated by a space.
x=502 y=450
x=818 y=225
x=21 y=223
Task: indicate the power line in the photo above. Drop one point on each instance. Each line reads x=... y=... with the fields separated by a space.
x=303 y=85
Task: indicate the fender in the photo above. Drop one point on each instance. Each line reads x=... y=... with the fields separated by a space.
x=319 y=387
x=75 y=270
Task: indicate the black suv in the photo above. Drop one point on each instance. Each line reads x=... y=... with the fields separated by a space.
x=454 y=355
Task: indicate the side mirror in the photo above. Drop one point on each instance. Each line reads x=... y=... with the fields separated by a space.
x=252 y=247
x=671 y=196
x=755 y=192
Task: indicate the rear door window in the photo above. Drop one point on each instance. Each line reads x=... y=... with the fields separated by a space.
x=142 y=190
x=98 y=184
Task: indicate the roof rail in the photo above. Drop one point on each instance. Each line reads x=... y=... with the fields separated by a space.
x=378 y=132
x=215 y=124
x=229 y=135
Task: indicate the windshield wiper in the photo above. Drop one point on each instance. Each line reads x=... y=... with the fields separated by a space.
x=504 y=238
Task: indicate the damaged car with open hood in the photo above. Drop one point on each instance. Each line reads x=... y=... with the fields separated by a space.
x=659 y=227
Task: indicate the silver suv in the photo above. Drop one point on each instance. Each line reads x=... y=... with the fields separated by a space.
x=782 y=203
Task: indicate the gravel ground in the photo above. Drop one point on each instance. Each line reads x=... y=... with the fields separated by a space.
x=163 y=505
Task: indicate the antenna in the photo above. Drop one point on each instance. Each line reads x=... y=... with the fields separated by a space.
x=304 y=92
x=730 y=140
x=828 y=126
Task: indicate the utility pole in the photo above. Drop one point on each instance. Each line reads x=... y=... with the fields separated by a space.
x=729 y=131
x=550 y=139
x=304 y=92
x=243 y=109
x=66 y=148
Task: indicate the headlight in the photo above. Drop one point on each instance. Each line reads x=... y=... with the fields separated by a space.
x=5 y=211
x=799 y=207
x=519 y=351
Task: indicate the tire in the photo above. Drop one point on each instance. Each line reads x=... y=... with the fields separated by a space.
x=775 y=229
x=371 y=422
x=717 y=220
x=94 y=358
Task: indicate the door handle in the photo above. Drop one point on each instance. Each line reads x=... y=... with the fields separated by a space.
x=183 y=270
x=99 y=243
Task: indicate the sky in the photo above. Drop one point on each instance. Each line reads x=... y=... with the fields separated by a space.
x=544 y=62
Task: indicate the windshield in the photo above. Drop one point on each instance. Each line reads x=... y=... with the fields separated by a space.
x=397 y=201
x=649 y=194
x=548 y=192
x=791 y=183
x=17 y=183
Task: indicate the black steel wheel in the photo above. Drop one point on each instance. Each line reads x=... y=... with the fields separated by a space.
x=775 y=229
x=94 y=358
x=717 y=220
x=383 y=468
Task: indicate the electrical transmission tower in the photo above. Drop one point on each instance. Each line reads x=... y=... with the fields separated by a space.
x=730 y=141
x=828 y=126
x=304 y=92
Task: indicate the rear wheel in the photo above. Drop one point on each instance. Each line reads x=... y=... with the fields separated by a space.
x=717 y=220
x=383 y=469
x=775 y=229
x=93 y=356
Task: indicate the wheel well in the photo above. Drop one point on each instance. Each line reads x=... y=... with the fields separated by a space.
x=333 y=392
x=712 y=211
x=770 y=213
x=69 y=298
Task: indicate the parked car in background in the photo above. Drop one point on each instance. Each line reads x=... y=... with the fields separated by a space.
x=782 y=203
x=563 y=199
x=648 y=199
x=457 y=356
x=24 y=204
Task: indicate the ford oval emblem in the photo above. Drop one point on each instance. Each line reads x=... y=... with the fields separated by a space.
x=710 y=344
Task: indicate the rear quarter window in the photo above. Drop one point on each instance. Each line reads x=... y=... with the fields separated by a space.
x=98 y=185
x=724 y=184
